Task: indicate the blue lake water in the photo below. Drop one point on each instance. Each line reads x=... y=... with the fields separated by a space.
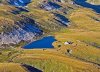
x=83 y=3
x=45 y=42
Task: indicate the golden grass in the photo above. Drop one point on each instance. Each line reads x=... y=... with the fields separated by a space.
x=11 y=67
x=84 y=31
x=85 y=19
x=6 y=8
x=35 y=55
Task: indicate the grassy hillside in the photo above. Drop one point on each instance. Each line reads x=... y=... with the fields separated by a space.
x=80 y=54
x=96 y=2
x=11 y=67
x=50 y=60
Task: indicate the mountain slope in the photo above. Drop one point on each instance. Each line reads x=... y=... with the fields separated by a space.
x=26 y=24
x=74 y=25
x=11 y=67
x=95 y=2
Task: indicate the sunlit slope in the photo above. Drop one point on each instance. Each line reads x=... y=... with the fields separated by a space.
x=95 y=2
x=84 y=45
x=83 y=18
x=85 y=35
x=11 y=67
x=7 y=19
x=51 y=60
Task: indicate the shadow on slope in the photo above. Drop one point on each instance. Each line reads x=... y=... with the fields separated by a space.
x=31 y=69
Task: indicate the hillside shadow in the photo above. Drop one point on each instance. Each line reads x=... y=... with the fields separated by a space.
x=31 y=69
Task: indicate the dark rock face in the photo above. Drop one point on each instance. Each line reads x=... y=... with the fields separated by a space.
x=19 y=2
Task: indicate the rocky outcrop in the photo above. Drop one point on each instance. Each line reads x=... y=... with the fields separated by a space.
x=50 y=6
x=23 y=30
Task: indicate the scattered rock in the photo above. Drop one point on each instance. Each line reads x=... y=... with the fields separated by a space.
x=68 y=42
x=69 y=51
x=50 y=6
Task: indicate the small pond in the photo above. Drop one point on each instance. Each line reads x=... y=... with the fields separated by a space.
x=45 y=42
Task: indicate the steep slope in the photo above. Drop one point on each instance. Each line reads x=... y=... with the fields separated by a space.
x=17 y=28
x=20 y=23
